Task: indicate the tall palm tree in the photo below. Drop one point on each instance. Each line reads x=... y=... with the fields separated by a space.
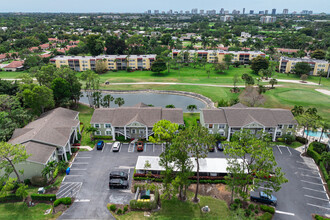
x=325 y=127
x=119 y=101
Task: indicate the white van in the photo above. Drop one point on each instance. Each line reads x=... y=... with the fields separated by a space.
x=116 y=146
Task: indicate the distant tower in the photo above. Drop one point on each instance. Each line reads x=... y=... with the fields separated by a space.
x=285 y=11
x=274 y=11
x=266 y=12
x=243 y=11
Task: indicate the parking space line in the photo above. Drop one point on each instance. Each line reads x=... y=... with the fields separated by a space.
x=312 y=170
x=215 y=149
x=318 y=206
x=77 y=169
x=83 y=157
x=82 y=200
x=72 y=175
x=315 y=190
x=80 y=163
x=279 y=149
x=316 y=177
x=145 y=147
x=289 y=151
x=73 y=192
x=153 y=148
x=319 y=184
x=317 y=198
x=65 y=187
x=285 y=213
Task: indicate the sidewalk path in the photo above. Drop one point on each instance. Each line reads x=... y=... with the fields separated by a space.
x=294 y=81
x=324 y=91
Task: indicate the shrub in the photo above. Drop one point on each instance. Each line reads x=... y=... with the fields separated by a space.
x=280 y=139
x=62 y=166
x=43 y=197
x=248 y=212
x=119 y=212
x=256 y=211
x=233 y=206
x=269 y=209
x=317 y=217
x=139 y=205
x=38 y=181
x=318 y=147
x=113 y=207
x=302 y=140
x=65 y=201
x=55 y=173
x=313 y=154
x=10 y=198
x=27 y=182
x=125 y=208
x=324 y=171
x=288 y=138
x=266 y=216
x=251 y=207
x=103 y=137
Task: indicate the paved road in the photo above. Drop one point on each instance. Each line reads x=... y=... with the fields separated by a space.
x=304 y=194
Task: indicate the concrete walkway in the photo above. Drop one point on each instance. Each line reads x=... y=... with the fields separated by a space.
x=185 y=84
x=293 y=81
x=86 y=147
x=324 y=91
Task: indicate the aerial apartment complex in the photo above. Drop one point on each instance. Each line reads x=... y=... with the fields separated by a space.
x=267 y=19
x=213 y=56
x=113 y=62
x=287 y=65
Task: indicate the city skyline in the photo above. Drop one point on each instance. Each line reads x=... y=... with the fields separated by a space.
x=131 y=6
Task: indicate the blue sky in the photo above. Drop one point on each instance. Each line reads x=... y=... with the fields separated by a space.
x=162 y=5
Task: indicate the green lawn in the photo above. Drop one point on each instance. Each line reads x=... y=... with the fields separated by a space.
x=295 y=144
x=10 y=75
x=190 y=118
x=85 y=115
x=20 y=210
x=175 y=209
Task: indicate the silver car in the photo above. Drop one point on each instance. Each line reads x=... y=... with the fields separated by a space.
x=116 y=146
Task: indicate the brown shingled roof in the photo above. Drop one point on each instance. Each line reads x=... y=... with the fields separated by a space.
x=148 y=116
x=39 y=153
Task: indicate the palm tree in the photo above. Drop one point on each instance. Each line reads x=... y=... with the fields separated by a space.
x=273 y=82
x=191 y=108
x=119 y=101
x=107 y=99
x=91 y=130
x=325 y=127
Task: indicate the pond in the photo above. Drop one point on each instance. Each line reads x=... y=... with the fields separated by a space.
x=155 y=99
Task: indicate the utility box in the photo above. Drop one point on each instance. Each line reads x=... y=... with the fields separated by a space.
x=145 y=194
x=41 y=190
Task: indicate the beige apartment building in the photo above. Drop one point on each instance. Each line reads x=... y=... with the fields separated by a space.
x=114 y=62
x=287 y=65
x=213 y=56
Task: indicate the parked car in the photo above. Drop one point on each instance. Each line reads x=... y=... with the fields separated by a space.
x=140 y=146
x=118 y=183
x=116 y=146
x=118 y=175
x=263 y=198
x=100 y=145
x=219 y=146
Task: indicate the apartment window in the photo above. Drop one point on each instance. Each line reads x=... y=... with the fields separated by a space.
x=96 y=125
x=221 y=126
x=108 y=132
x=289 y=133
x=290 y=126
x=280 y=126
x=210 y=125
x=141 y=131
x=107 y=125
x=133 y=131
x=98 y=133
x=278 y=134
x=222 y=133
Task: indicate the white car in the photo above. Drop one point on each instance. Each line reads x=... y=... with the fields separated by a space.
x=116 y=146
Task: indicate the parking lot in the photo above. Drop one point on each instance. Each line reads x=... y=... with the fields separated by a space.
x=305 y=193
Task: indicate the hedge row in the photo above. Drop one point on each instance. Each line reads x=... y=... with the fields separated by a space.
x=266 y=208
x=10 y=198
x=43 y=197
x=103 y=137
x=266 y=216
x=65 y=201
x=302 y=140
x=317 y=217
x=313 y=154
x=138 y=205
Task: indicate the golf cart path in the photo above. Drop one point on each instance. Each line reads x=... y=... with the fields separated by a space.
x=324 y=91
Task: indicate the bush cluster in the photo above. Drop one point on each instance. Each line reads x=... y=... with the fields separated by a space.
x=318 y=147
x=113 y=207
x=266 y=216
x=43 y=197
x=317 y=217
x=103 y=137
x=10 y=198
x=138 y=205
x=266 y=208
x=288 y=139
x=119 y=212
x=152 y=187
x=55 y=172
x=313 y=154
x=302 y=140
x=65 y=201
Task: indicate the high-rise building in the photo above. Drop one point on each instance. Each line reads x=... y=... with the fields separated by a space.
x=310 y=12
x=285 y=11
x=251 y=12
x=194 y=11
x=156 y=12
x=266 y=12
x=170 y=12
x=243 y=11
x=149 y=12
x=226 y=12
x=234 y=12
x=304 y=12
x=201 y=12
x=261 y=12
x=222 y=11
x=187 y=12
x=274 y=11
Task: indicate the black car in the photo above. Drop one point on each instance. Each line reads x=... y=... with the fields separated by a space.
x=219 y=146
x=118 y=175
x=118 y=183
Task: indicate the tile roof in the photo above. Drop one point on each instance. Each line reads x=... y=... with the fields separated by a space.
x=15 y=64
x=119 y=117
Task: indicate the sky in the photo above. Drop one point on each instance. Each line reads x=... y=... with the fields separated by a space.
x=140 y=6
